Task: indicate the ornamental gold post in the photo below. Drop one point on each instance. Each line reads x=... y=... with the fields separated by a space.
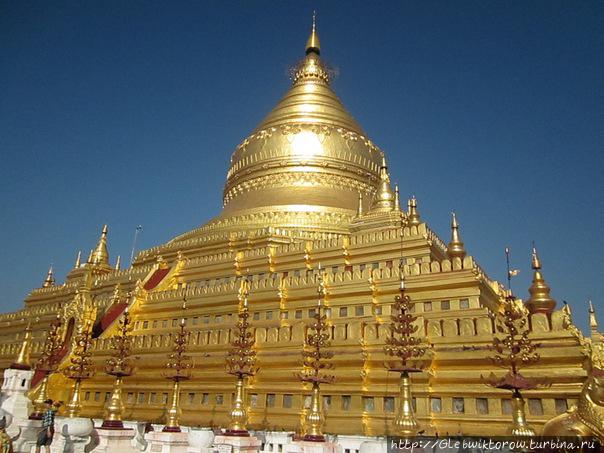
x=314 y=357
x=406 y=347
x=179 y=366
x=81 y=366
x=240 y=362
x=118 y=366
x=513 y=350
x=47 y=364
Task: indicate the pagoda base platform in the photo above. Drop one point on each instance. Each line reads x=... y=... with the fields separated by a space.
x=304 y=446
x=72 y=435
x=167 y=442
x=114 y=440
x=28 y=434
x=236 y=444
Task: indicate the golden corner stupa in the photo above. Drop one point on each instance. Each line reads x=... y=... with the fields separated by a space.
x=308 y=206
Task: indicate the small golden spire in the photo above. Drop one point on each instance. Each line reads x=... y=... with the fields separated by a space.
x=384 y=198
x=313 y=44
x=22 y=361
x=412 y=214
x=78 y=260
x=455 y=249
x=118 y=262
x=593 y=320
x=360 y=207
x=397 y=201
x=50 y=280
x=100 y=256
x=540 y=300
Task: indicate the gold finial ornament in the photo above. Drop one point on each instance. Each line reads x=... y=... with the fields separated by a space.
x=407 y=347
x=314 y=362
x=240 y=362
x=593 y=322
x=397 y=201
x=455 y=248
x=81 y=366
x=540 y=300
x=360 y=206
x=50 y=279
x=47 y=364
x=78 y=260
x=384 y=198
x=179 y=369
x=313 y=44
x=118 y=366
x=118 y=263
x=514 y=350
x=413 y=218
x=22 y=361
x=100 y=255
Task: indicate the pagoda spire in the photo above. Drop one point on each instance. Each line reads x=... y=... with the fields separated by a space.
x=50 y=279
x=78 y=260
x=100 y=256
x=412 y=214
x=22 y=360
x=455 y=249
x=313 y=44
x=118 y=263
x=540 y=300
x=360 y=206
x=397 y=201
x=593 y=321
x=384 y=198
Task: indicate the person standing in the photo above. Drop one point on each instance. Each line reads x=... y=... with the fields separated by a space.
x=48 y=428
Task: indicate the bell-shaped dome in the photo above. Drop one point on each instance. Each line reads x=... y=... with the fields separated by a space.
x=304 y=166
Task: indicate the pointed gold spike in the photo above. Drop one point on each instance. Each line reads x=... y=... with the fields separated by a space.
x=100 y=256
x=412 y=214
x=535 y=262
x=360 y=206
x=593 y=320
x=313 y=44
x=118 y=263
x=22 y=361
x=50 y=280
x=384 y=198
x=78 y=260
x=539 y=300
x=397 y=201
x=455 y=249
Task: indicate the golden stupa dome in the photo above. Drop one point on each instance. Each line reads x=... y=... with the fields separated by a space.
x=304 y=166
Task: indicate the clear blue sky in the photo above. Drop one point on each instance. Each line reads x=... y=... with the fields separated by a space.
x=126 y=113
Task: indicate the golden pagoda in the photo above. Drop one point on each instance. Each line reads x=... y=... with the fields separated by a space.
x=307 y=186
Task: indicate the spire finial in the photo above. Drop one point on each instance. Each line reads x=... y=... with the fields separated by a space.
x=78 y=260
x=593 y=320
x=412 y=214
x=384 y=198
x=313 y=44
x=118 y=262
x=360 y=206
x=397 y=201
x=22 y=361
x=455 y=249
x=540 y=300
x=100 y=256
x=50 y=280
x=535 y=261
